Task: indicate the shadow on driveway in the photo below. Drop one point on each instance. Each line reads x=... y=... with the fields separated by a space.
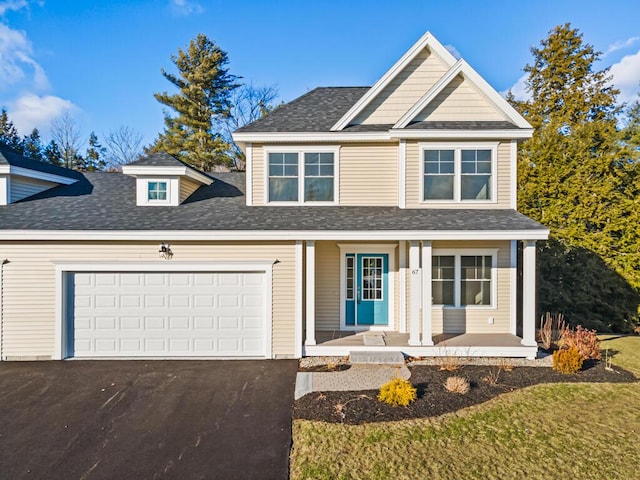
x=146 y=419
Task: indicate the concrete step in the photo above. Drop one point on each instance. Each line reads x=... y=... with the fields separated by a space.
x=376 y=358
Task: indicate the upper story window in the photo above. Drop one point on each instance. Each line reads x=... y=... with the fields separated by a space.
x=302 y=176
x=460 y=173
x=157 y=191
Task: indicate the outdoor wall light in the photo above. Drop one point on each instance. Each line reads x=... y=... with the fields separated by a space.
x=165 y=251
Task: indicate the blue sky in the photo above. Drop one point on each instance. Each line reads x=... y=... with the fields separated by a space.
x=101 y=60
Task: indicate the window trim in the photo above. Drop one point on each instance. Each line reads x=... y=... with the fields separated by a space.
x=457 y=148
x=301 y=150
x=457 y=253
x=145 y=191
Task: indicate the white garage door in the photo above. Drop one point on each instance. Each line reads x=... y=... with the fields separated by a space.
x=129 y=314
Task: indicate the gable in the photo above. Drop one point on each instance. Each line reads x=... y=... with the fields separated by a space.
x=460 y=100
x=408 y=86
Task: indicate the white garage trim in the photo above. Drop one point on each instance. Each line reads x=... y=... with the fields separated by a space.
x=62 y=268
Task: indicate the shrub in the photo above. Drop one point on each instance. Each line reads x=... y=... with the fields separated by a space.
x=552 y=327
x=585 y=341
x=397 y=393
x=567 y=360
x=457 y=384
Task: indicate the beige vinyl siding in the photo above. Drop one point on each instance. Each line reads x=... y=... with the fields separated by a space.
x=476 y=320
x=23 y=187
x=460 y=101
x=29 y=289
x=328 y=286
x=414 y=179
x=187 y=187
x=404 y=90
x=369 y=174
x=257 y=175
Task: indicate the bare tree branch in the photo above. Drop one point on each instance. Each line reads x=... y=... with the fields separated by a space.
x=124 y=145
x=66 y=133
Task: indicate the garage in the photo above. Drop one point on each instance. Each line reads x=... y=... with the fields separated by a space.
x=167 y=314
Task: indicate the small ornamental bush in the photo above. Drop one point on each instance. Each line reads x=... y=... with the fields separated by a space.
x=567 y=360
x=457 y=384
x=585 y=341
x=397 y=393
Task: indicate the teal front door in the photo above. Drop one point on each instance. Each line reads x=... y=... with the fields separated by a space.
x=367 y=294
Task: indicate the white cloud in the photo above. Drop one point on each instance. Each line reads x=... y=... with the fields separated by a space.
x=519 y=89
x=14 y=5
x=620 y=45
x=17 y=64
x=453 y=51
x=626 y=77
x=185 y=7
x=31 y=111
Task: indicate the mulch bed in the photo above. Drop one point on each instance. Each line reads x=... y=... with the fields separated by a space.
x=357 y=407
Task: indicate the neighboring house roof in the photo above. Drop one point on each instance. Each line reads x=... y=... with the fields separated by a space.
x=9 y=157
x=315 y=111
x=106 y=201
x=161 y=159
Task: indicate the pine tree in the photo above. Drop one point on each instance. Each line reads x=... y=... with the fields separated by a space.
x=8 y=133
x=52 y=154
x=574 y=177
x=202 y=103
x=94 y=158
x=33 y=146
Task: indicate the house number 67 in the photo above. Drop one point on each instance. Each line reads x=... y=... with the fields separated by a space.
x=414 y=272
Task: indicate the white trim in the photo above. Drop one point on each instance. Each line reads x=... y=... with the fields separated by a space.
x=494 y=134
x=427 y=40
x=359 y=249
x=301 y=150
x=65 y=267
x=248 y=168
x=438 y=350
x=38 y=175
x=181 y=171
x=427 y=298
x=290 y=235
x=388 y=136
x=2 y=263
x=529 y=293
x=402 y=173
x=310 y=297
x=460 y=252
x=513 y=172
x=415 y=298
x=299 y=298
x=173 y=191
x=457 y=147
x=435 y=89
x=513 y=290
x=402 y=287
x=5 y=189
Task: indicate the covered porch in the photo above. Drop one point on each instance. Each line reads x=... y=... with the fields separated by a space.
x=417 y=325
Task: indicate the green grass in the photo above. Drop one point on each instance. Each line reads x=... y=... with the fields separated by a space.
x=579 y=431
x=626 y=350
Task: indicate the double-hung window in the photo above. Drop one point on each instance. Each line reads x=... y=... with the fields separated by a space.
x=458 y=173
x=463 y=279
x=305 y=176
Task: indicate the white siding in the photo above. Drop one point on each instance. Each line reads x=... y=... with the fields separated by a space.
x=23 y=187
x=405 y=90
x=461 y=101
x=29 y=283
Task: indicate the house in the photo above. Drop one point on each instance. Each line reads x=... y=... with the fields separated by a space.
x=369 y=218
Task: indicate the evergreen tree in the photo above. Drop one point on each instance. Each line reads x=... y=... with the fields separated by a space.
x=33 y=146
x=574 y=177
x=202 y=103
x=94 y=158
x=8 y=133
x=52 y=154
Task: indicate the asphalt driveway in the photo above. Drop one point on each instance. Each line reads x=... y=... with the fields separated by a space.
x=146 y=419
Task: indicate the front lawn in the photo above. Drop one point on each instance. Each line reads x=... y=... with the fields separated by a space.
x=574 y=430
x=625 y=350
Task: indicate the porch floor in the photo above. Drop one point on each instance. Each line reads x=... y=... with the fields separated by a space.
x=336 y=338
x=342 y=343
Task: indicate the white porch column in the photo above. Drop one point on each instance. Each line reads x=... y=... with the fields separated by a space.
x=402 y=271
x=427 y=300
x=310 y=262
x=529 y=293
x=299 y=297
x=415 y=293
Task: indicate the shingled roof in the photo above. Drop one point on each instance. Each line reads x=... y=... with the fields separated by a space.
x=106 y=201
x=8 y=156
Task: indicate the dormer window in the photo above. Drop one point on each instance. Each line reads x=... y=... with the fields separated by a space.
x=157 y=191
